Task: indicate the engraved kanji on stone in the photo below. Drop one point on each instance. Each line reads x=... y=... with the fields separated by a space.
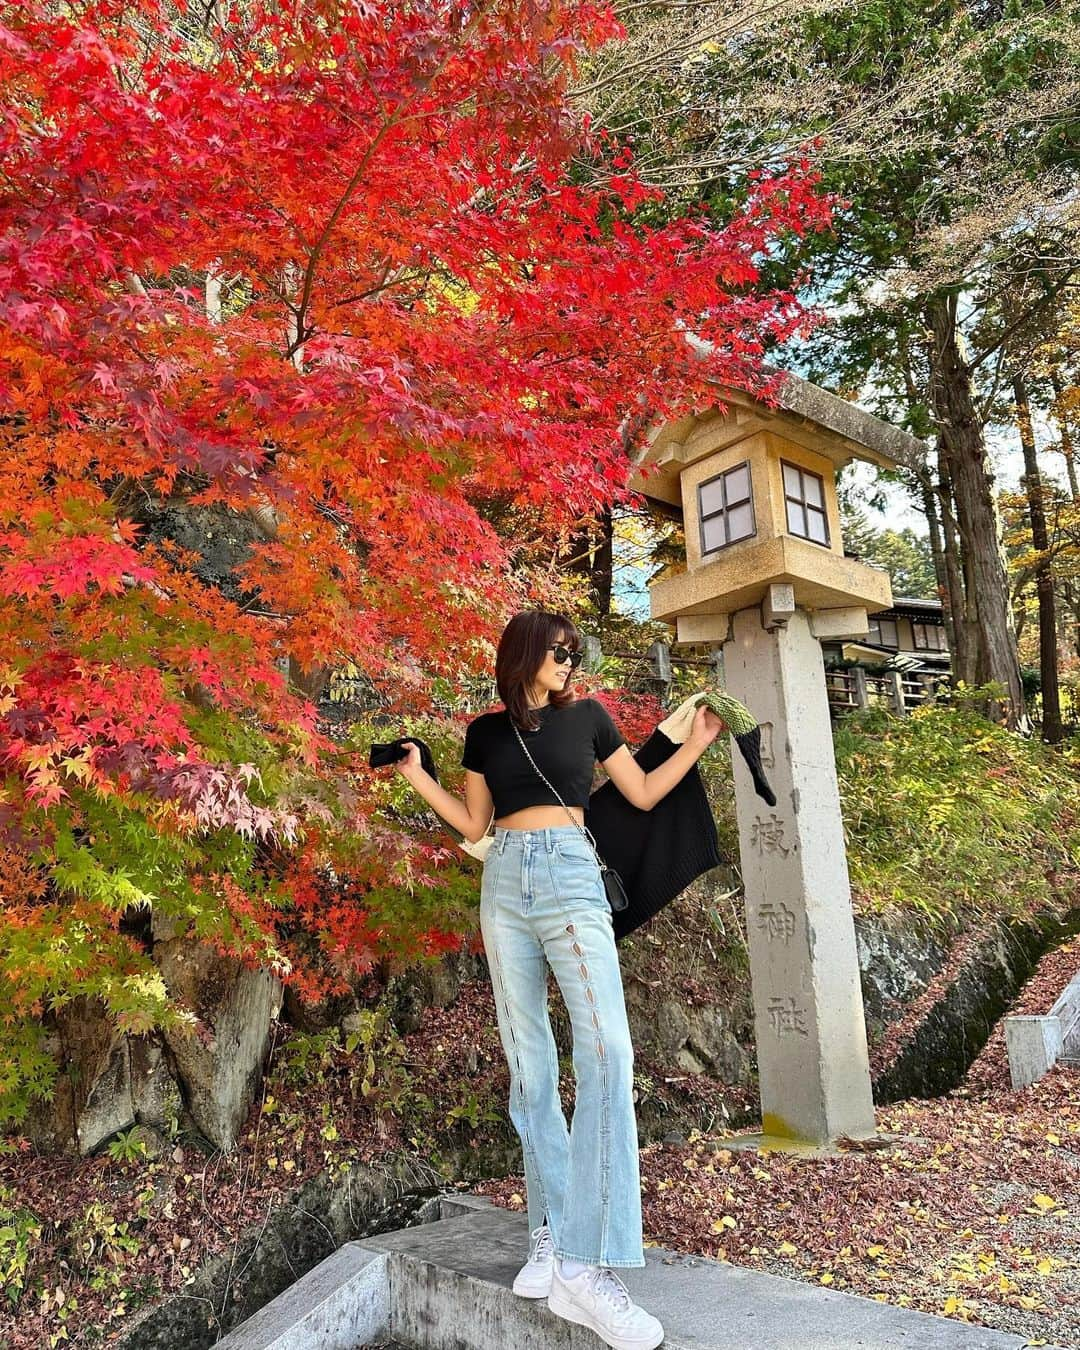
x=767 y=836
x=776 y=920
x=786 y=1017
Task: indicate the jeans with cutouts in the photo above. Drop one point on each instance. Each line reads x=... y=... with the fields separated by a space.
x=543 y=905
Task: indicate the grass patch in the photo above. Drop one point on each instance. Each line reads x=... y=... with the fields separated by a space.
x=950 y=815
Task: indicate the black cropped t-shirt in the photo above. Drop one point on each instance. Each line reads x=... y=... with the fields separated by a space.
x=566 y=746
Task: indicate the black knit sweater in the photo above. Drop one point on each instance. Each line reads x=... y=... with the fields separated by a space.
x=657 y=853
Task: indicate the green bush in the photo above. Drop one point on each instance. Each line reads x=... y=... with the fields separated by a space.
x=948 y=813
x=20 y=1232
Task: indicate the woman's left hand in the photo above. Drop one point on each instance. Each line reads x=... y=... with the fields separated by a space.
x=707 y=726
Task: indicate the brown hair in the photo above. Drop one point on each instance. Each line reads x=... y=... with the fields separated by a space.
x=522 y=649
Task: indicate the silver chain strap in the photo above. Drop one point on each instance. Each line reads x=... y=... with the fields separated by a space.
x=584 y=829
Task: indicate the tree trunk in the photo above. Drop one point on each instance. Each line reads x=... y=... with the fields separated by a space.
x=1019 y=621
x=938 y=505
x=290 y=280
x=957 y=626
x=964 y=448
x=592 y=556
x=1052 y=730
x=1068 y=450
x=937 y=547
x=213 y=292
x=604 y=565
x=1072 y=604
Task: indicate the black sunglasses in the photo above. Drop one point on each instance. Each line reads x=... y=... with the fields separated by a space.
x=564 y=653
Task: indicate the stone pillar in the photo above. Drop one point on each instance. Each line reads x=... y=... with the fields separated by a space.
x=813 y=1067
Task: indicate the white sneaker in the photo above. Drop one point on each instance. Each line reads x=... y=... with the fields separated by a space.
x=598 y=1299
x=533 y=1280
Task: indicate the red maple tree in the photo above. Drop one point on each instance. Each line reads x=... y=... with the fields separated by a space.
x=349 y=270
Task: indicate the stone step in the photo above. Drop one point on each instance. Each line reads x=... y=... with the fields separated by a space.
x=452 y=1288
x=1035 y=1043
x=446 y=1285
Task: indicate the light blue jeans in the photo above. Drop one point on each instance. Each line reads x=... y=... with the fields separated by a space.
x=542 y=904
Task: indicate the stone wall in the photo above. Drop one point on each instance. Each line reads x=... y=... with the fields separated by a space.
x=323 y=1215
x=930 y=1005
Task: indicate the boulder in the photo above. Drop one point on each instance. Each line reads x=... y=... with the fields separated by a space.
x=220 y=536
x=97 y=1067
x=710 y=1042
x=107 y=1107
x=697 y=1039
x=155 y=1097
x=670 y=1029
x=50 y=1125
x=898 y=957
x=432 y=984
x=218 y=1062
x=153 y=1144
x=108 y=1082
x=320 y=1015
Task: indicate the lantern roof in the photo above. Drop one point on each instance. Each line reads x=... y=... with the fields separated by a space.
x=803 y=413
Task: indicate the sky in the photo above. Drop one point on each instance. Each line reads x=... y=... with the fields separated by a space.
x=1006 y=456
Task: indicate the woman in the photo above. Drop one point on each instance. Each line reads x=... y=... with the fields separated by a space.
x=543 y=904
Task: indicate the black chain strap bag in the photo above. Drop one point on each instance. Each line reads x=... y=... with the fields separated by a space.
x=613 y=886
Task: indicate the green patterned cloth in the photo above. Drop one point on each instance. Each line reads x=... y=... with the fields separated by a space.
x=743 y=725
x=735 y=715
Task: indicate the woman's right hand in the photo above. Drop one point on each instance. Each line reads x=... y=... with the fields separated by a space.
x=410 y=762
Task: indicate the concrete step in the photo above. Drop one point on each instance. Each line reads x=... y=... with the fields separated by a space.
x=1035 y=1043
x=446 y=1285
x=452 y=1281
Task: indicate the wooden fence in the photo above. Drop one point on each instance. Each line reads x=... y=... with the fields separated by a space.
x=847 y=689
x=899 y=691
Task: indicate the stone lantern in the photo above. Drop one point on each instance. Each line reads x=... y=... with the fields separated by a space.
x=766 y=577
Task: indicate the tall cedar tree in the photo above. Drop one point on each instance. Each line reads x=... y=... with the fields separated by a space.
x=949 y=127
